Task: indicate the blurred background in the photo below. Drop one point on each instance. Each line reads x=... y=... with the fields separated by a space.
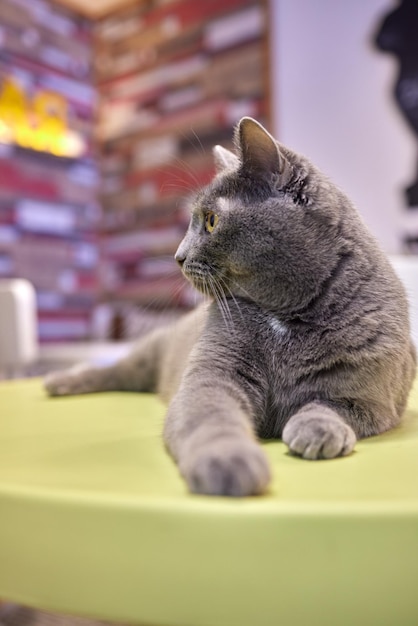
x=108 y=113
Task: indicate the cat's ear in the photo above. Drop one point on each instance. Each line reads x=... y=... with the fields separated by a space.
x=260 y=153
x=224 y=159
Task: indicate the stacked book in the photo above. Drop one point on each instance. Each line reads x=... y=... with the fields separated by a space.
x=49 y=213
x=173 y=79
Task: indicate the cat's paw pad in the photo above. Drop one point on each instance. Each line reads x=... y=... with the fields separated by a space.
x=318 y=436
x=227 y=468
x=65 y=383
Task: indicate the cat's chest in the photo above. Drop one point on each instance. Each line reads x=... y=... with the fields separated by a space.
x=289 y=351
x=280 y=329
x=278 y=347
x=274 y=346
x=268 y=336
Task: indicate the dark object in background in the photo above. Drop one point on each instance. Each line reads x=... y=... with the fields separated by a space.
x=398 y=34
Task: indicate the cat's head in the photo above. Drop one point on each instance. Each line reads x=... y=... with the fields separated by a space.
x=267 y=229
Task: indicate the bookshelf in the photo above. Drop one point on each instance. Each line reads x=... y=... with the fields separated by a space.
x=173 y=79
x=49 y=211
x=106 y=129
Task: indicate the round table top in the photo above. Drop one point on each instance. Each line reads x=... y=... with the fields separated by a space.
x=95 y=520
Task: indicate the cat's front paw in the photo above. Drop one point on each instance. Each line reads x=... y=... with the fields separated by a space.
x=317 y=432
x=67 y=382
x=228 y=467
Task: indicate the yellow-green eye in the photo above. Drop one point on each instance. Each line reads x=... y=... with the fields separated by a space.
x=211 y=219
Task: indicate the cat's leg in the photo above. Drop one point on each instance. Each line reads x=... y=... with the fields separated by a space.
x=316 y=431
x=209 y=433
x=137 y=372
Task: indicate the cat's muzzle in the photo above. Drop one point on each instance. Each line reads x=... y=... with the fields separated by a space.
x=198 y=274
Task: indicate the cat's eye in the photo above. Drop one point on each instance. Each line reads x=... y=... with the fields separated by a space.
x=211 y=219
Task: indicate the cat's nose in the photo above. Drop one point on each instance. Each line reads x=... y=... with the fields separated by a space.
x=180 y=257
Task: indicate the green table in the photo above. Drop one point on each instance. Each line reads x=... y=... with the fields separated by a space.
x=95 y=520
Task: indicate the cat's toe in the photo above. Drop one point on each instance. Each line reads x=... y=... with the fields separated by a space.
x=227 y=468
x=63 y=383
x=57 y=384
x=318 y=436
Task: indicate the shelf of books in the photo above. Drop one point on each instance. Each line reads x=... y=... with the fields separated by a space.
x=48 y=178
x=154 y=86
x=173 y=79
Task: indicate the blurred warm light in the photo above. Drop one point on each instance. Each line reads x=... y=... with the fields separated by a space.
x=38 y=123
x=6 y=134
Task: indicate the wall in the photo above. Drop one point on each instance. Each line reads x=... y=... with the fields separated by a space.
x=332 y=97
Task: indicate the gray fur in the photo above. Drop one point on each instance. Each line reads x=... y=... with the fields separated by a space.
x=306 y=336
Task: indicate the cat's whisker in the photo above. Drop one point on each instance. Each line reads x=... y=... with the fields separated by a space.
x=226 y=287
x=217 y=299
x=237 y=284
x=199 y=149
x=226 y=302
x=198 y=141
x=164 y=303
x=184 y=166
x=179 y=186
x=222 y=304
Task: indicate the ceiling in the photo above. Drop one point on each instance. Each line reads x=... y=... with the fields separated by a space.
x=95 y=8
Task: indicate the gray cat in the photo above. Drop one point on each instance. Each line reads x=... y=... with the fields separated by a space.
x=305 y=336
